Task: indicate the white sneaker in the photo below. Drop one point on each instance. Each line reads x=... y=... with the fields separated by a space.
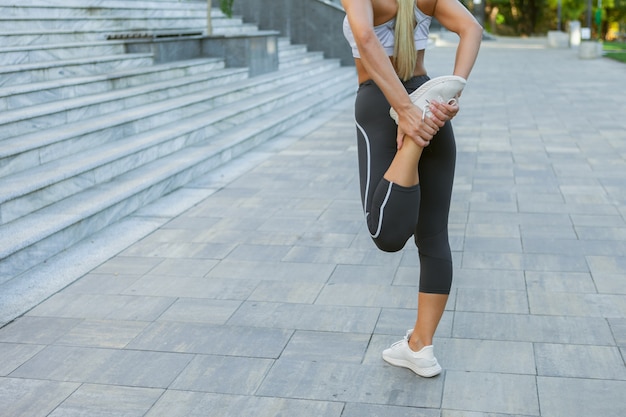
x=422 y=363
x=444 y=89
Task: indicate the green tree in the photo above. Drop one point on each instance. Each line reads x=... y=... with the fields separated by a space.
x=515 y=17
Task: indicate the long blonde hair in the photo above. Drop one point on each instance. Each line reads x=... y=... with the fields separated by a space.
x=404 y=53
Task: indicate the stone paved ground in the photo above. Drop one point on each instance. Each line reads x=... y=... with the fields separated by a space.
x=268 y=299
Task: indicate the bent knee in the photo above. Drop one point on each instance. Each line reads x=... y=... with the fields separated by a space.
x=389 y=245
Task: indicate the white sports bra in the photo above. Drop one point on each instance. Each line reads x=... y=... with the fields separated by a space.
x=385 y=33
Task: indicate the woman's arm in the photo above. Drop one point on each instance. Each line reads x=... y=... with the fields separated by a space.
x=378 y=65
x=456 y=18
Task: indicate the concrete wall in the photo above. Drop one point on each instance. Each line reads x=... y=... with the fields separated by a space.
x=315 y=23
x=257 y=51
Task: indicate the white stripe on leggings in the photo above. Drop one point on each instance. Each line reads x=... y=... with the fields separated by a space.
x=367 y=184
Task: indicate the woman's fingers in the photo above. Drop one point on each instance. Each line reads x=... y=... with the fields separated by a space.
x=444 y=111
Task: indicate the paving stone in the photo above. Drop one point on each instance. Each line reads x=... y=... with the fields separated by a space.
x=197 y=404
x=104 y=366
x=618 y=326
x=102 y=333
x=222 y=374
x=102 y=284
x=306 y=317
x=15 y=354
x=180 y=250
x=494 y=301
x=327 y=346
x=349 y=256
x=108 y=400
x=489 y=278
x=491 y=356
x=128 y=265
x=104 y=307
x=578 y=361
x=456 y=413
x=374 y=410
x=493 y=244
x=193 y=310
x=368 y=296
x=576 y=397
x=531 y=328
x=362 y=274
x=607 y=264
x=491 y=392
x=548 y=231
x=253 y=253
x=212 y=339
x=31 y=397
x=577 y=304
x=37 y=330
x=280 y=271
x=579 y=282
x=184 y=267
x=332 y=381
x=493 y=260
x=192 y=287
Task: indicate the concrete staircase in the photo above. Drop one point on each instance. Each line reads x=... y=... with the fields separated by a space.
x=89 y=134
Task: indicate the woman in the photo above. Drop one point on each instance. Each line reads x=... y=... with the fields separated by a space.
x=407 y=169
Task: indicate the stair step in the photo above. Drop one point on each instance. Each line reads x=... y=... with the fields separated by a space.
x=28 y=241
x=27 y=36
x=111 y=10
x=55 y=36
x=299 y=59
x=99 y=23
x=14 y=97
x=24 y=151
x=34 y=118
x=52 y=70
x=31 y=54
x=94 y=6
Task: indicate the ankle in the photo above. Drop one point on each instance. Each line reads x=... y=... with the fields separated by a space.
x=415 y=344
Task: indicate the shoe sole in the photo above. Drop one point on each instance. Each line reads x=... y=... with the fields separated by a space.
x=445 y=87
x=424 y=372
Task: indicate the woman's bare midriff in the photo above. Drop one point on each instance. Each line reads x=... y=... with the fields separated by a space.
x=363 y=75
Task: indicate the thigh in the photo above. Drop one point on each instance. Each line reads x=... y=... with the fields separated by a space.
x=376 y=138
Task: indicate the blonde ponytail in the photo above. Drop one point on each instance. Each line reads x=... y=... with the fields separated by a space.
x=404 y=53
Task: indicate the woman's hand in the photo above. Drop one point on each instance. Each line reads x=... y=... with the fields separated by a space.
x=444 y=111
x=424 y=130
x=421 y=130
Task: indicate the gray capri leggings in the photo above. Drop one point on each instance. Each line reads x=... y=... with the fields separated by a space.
x=395 y=213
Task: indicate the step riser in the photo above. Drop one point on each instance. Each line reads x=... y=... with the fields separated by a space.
x=62 y=36
x=18 y=76
x=59 y=12
x=11 y=100
x=18 y=207
x=97 y=6
x=48 y=54
x=294 y=61
x=85 y=25
x=35 y=254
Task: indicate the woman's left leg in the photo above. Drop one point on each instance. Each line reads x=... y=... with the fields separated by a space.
x=431 y=236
